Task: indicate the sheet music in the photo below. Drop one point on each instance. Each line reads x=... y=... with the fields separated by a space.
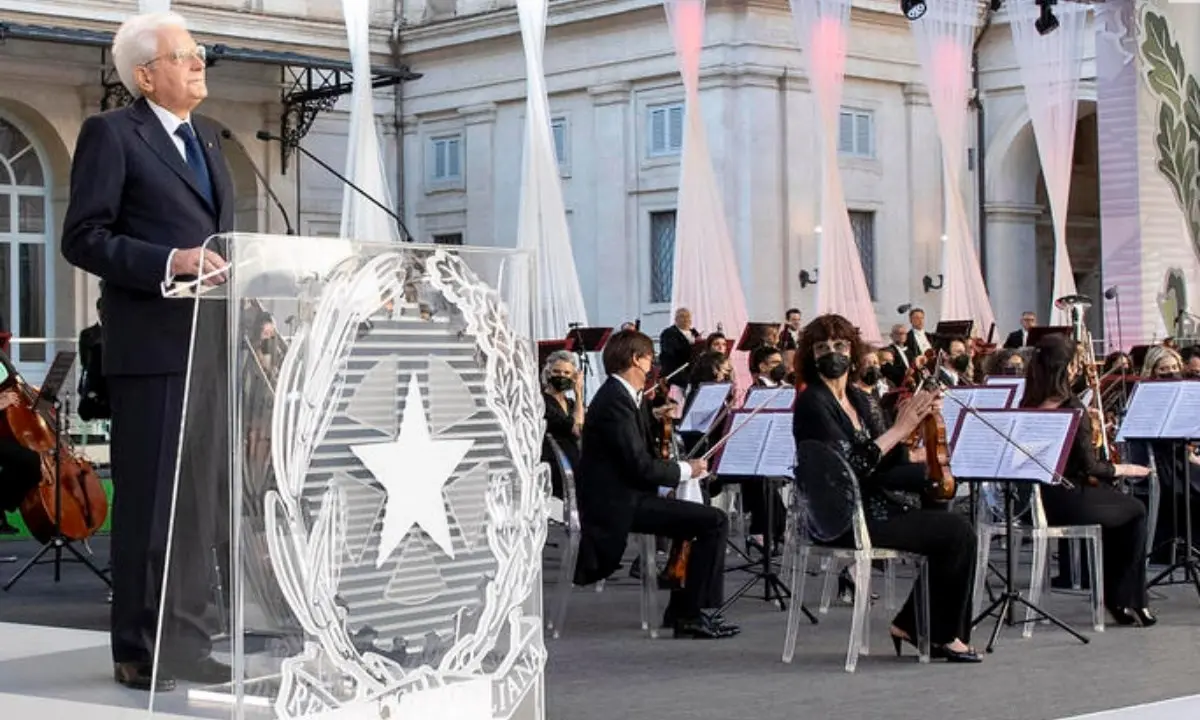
x=779 y=453
x=774 y=398
x=706 y=406
x=975 y=452
x=995 y=397
x=1009 y=381
x=743 y=450
x=1042 y=435
x=1183 y=422
x=1147 y=411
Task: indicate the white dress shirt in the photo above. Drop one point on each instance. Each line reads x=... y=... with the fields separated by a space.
x=171 y=122
x=685 y=469
x=921 y=340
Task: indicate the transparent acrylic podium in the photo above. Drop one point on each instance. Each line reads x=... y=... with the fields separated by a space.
x=359 y=503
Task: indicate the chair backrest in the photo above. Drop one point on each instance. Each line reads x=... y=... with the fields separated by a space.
x=570 y=504
x=827 y=497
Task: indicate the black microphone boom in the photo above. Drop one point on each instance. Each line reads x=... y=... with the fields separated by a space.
x=287 y=223
x=266 y=137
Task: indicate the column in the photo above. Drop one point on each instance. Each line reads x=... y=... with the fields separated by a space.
x=412 y=181
x=478 y=141
x=1012 y=261
x=610 y=286
x=801 y=191
x=756 y=222
x=926 y=217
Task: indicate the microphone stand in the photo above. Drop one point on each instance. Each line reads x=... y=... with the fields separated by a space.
x=408 y=237
x=287 y=222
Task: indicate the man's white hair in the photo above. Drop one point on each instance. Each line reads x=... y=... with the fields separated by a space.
x=136 y=43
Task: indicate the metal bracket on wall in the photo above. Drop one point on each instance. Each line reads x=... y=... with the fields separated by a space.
x=115 y=95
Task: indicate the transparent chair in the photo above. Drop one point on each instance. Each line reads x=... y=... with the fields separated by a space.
x=826 y=505
x=570 y=556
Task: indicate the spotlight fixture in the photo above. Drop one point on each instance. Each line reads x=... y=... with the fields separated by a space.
x=1046 y=22
x=913 y=9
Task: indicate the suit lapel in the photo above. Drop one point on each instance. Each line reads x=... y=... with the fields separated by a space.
x=151 y=131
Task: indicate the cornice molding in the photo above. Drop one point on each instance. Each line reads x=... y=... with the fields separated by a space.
x=478 y=114
x=617 y=93
x=1027 y=213
x=916 y=94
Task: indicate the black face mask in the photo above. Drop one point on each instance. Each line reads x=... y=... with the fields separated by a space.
x=1014 y=371
x=961 y=363
x=870 y=375
x=561 y=383
x=833 y=365
x=265 y=346
x=777 y=373
x=1170 y=376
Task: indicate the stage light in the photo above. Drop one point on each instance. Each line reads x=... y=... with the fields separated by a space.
x=1046 y=22
x=913 y=9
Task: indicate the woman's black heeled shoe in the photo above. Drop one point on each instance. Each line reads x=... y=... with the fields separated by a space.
x=941 y=652
x=1139 y=617
x=845 y=587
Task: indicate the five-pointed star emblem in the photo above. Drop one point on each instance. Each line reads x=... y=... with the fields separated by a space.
x=413 y=469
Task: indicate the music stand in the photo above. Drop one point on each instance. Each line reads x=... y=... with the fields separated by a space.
x=587 y=340
x=56 y=377
x=1037 y=333
x=948 y=330
x=980 y=428
x=546 y=348
x=1157 y=411
x=752 y=335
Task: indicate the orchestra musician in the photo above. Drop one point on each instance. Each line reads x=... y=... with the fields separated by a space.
x=148 y=186
x=20 y=467
x=1020 y=338
x=564 y=413
x=1093 y=498
x=895 y=370
x=619 y=478
x=766 y=366
x=835 y=411
x=1006 y=363
x=675 y=346
x=918 y=341
x=717 y=342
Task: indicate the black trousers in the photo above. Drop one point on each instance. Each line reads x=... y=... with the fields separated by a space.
x=756 y=493
x=1122 y=519
x=20 y=472
x=708 y=529
x=948 y=542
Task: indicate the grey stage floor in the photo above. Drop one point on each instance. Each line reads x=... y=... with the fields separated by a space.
x=604 y=667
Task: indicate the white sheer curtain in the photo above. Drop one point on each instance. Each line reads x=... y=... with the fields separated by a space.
x=944 y=38
x=705 y=278
x=542 y=221
x=822 y=29
x=1050 y=67
x=362 y=219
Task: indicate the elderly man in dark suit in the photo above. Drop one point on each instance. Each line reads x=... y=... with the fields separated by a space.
x=675 y=346
x=1020 y=338
x=148 y=186
x=618 y=487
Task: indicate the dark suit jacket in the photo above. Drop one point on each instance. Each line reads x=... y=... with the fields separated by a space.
x=1014 y=340
x=616 y=472
x=674 y=350
x=134 y=199
x=911 y=344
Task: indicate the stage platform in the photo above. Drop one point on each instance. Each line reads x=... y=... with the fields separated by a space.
x=603 y=667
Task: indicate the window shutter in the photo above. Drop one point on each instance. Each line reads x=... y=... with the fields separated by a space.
x=846 y=132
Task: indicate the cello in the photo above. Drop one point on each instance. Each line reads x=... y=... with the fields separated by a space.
x=69 y=500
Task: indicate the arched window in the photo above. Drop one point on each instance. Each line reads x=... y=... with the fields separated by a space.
x=26 y=295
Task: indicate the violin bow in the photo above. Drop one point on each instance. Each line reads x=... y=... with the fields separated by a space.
x=766 y=403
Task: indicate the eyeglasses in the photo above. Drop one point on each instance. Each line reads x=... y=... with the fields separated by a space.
x=838 y=346
x=181 y=56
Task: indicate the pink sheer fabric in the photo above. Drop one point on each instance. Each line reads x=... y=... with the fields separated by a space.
x=1050 y=68
x=542 y=220
x=944 y=40
x=706 y=277
x=822 y=30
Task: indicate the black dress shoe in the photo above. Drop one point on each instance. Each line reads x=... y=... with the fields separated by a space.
x=204 y=671
x=941 y=652
x=1139 y=617
x=700 y=628
x=140 y=676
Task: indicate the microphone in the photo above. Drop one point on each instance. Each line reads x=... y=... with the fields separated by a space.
x=287 y=223
x=267 y=137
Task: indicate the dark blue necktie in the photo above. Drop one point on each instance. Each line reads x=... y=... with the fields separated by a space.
x=195 y=160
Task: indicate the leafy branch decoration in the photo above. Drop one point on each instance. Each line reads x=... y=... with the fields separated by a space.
x=1178 y=134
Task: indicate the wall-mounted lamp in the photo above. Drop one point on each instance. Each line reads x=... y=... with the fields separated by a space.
x=808 y=278
x=929 y=284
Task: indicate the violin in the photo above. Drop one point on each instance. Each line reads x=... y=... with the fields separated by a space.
x=931 y=433
x=84 y=505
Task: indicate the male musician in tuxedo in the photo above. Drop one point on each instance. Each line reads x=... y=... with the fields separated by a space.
x=148 y=186
x=1020 y=338
x=957 y=368
x=767 y=368
x=895 y=370
x=618 y=483
x=790 y=339
x=675 y=346
x=918 y=340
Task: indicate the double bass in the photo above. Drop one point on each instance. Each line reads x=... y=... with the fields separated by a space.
x=65 y=474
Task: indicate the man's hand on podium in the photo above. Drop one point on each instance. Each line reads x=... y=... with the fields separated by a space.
x=199 y=262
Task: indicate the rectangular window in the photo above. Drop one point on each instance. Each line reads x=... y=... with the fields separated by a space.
x=445 y=156
x=664 y=130
x=863 y=225
x=662 y=255
x=856 y=133
x=448 y=239
x=31 y=276
x=558 y=131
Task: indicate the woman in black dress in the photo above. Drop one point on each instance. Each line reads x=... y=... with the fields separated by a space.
x=834 y=411
x=1093 y=498
x=564 y=413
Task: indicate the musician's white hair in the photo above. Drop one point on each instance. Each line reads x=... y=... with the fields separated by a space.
x=553 y=359
x=136 y=43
